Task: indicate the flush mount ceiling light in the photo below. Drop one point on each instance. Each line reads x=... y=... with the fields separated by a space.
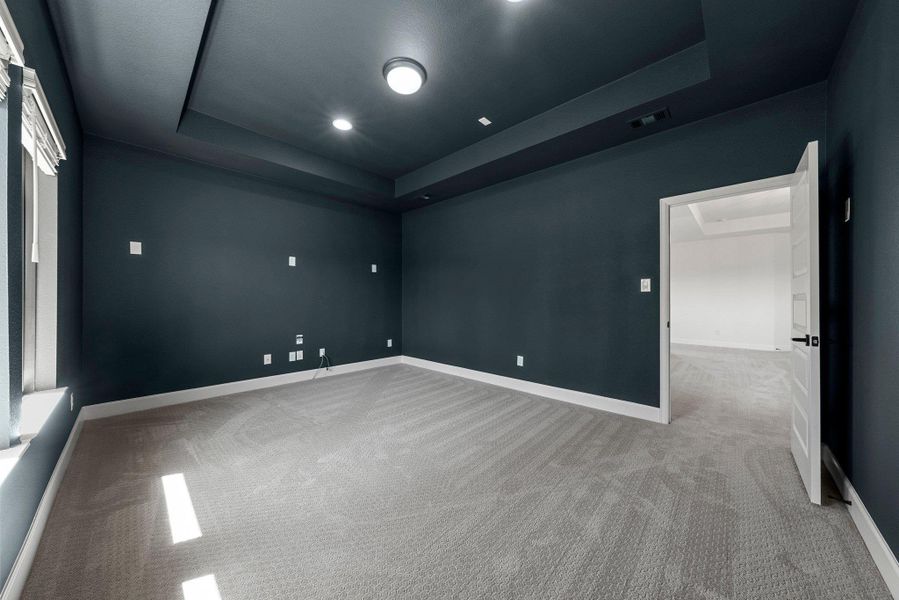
x=342 y=124
x=404 y=75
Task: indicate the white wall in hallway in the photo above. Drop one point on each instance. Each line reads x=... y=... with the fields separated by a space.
x=732 y=292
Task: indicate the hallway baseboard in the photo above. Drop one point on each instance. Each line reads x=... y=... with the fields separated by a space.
x=733 y=345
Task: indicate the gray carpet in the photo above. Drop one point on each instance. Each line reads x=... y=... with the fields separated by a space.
x=404 y=483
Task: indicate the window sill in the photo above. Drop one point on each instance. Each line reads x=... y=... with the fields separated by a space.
x=36 y=409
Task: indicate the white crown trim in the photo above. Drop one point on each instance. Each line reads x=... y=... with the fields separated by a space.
x=39 y=126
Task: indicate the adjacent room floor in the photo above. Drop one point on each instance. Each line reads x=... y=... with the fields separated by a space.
x=405 y=483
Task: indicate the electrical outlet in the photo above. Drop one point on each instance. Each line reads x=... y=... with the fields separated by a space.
x=374 y=268
x=519 y=360
x=135 y=247
x=266 y=359
x=291 y=261
x=299 y=355
x=321 y=352
x=390 y=343
x=299 y=339
x=292 y=357
x=645 y=285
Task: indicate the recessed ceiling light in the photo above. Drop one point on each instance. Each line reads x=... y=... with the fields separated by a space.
x=404 y=75
x=342 y=124
x=485 y=121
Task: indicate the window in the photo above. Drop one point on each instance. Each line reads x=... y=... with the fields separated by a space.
x=21 y=416
x=11 y=52
x=43 y=149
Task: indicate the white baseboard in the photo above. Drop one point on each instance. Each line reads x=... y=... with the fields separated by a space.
x=720 y=344
x=12 y=590
x=883 y=557
x=18 y=575
x=121 y=407
x=880 y=551
x=620 y=407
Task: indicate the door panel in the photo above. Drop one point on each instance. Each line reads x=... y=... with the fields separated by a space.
x=805 y=363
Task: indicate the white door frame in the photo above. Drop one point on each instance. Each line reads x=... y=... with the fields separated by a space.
x=665 y=204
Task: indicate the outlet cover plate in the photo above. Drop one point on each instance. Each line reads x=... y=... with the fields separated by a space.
x=645 y=285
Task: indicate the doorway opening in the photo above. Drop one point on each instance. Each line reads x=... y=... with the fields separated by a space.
x=739 y=290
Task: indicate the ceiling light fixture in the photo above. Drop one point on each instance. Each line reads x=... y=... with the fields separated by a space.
x=342 y=124
x=404 y=75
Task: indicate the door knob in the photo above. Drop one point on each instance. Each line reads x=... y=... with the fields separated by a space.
x=806 y=339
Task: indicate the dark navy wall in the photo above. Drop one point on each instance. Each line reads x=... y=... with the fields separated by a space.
x=212 y=291
x=549 y=265
x=22 y=490
x=862 y=411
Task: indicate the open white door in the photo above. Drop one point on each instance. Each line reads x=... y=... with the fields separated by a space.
x=805 y=432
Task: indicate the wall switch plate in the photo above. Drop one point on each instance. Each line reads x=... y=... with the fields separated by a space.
x=292 y=357
x=291 y=261
x=519 y=360
x=645 y=285
x=299 y=355
x=299 y=339
x=374 y=268
x=390 y=343
x=266 y=359
x=321 y=352
x=135 y=247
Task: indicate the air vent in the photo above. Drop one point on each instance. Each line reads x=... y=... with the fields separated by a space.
x=650 y=119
